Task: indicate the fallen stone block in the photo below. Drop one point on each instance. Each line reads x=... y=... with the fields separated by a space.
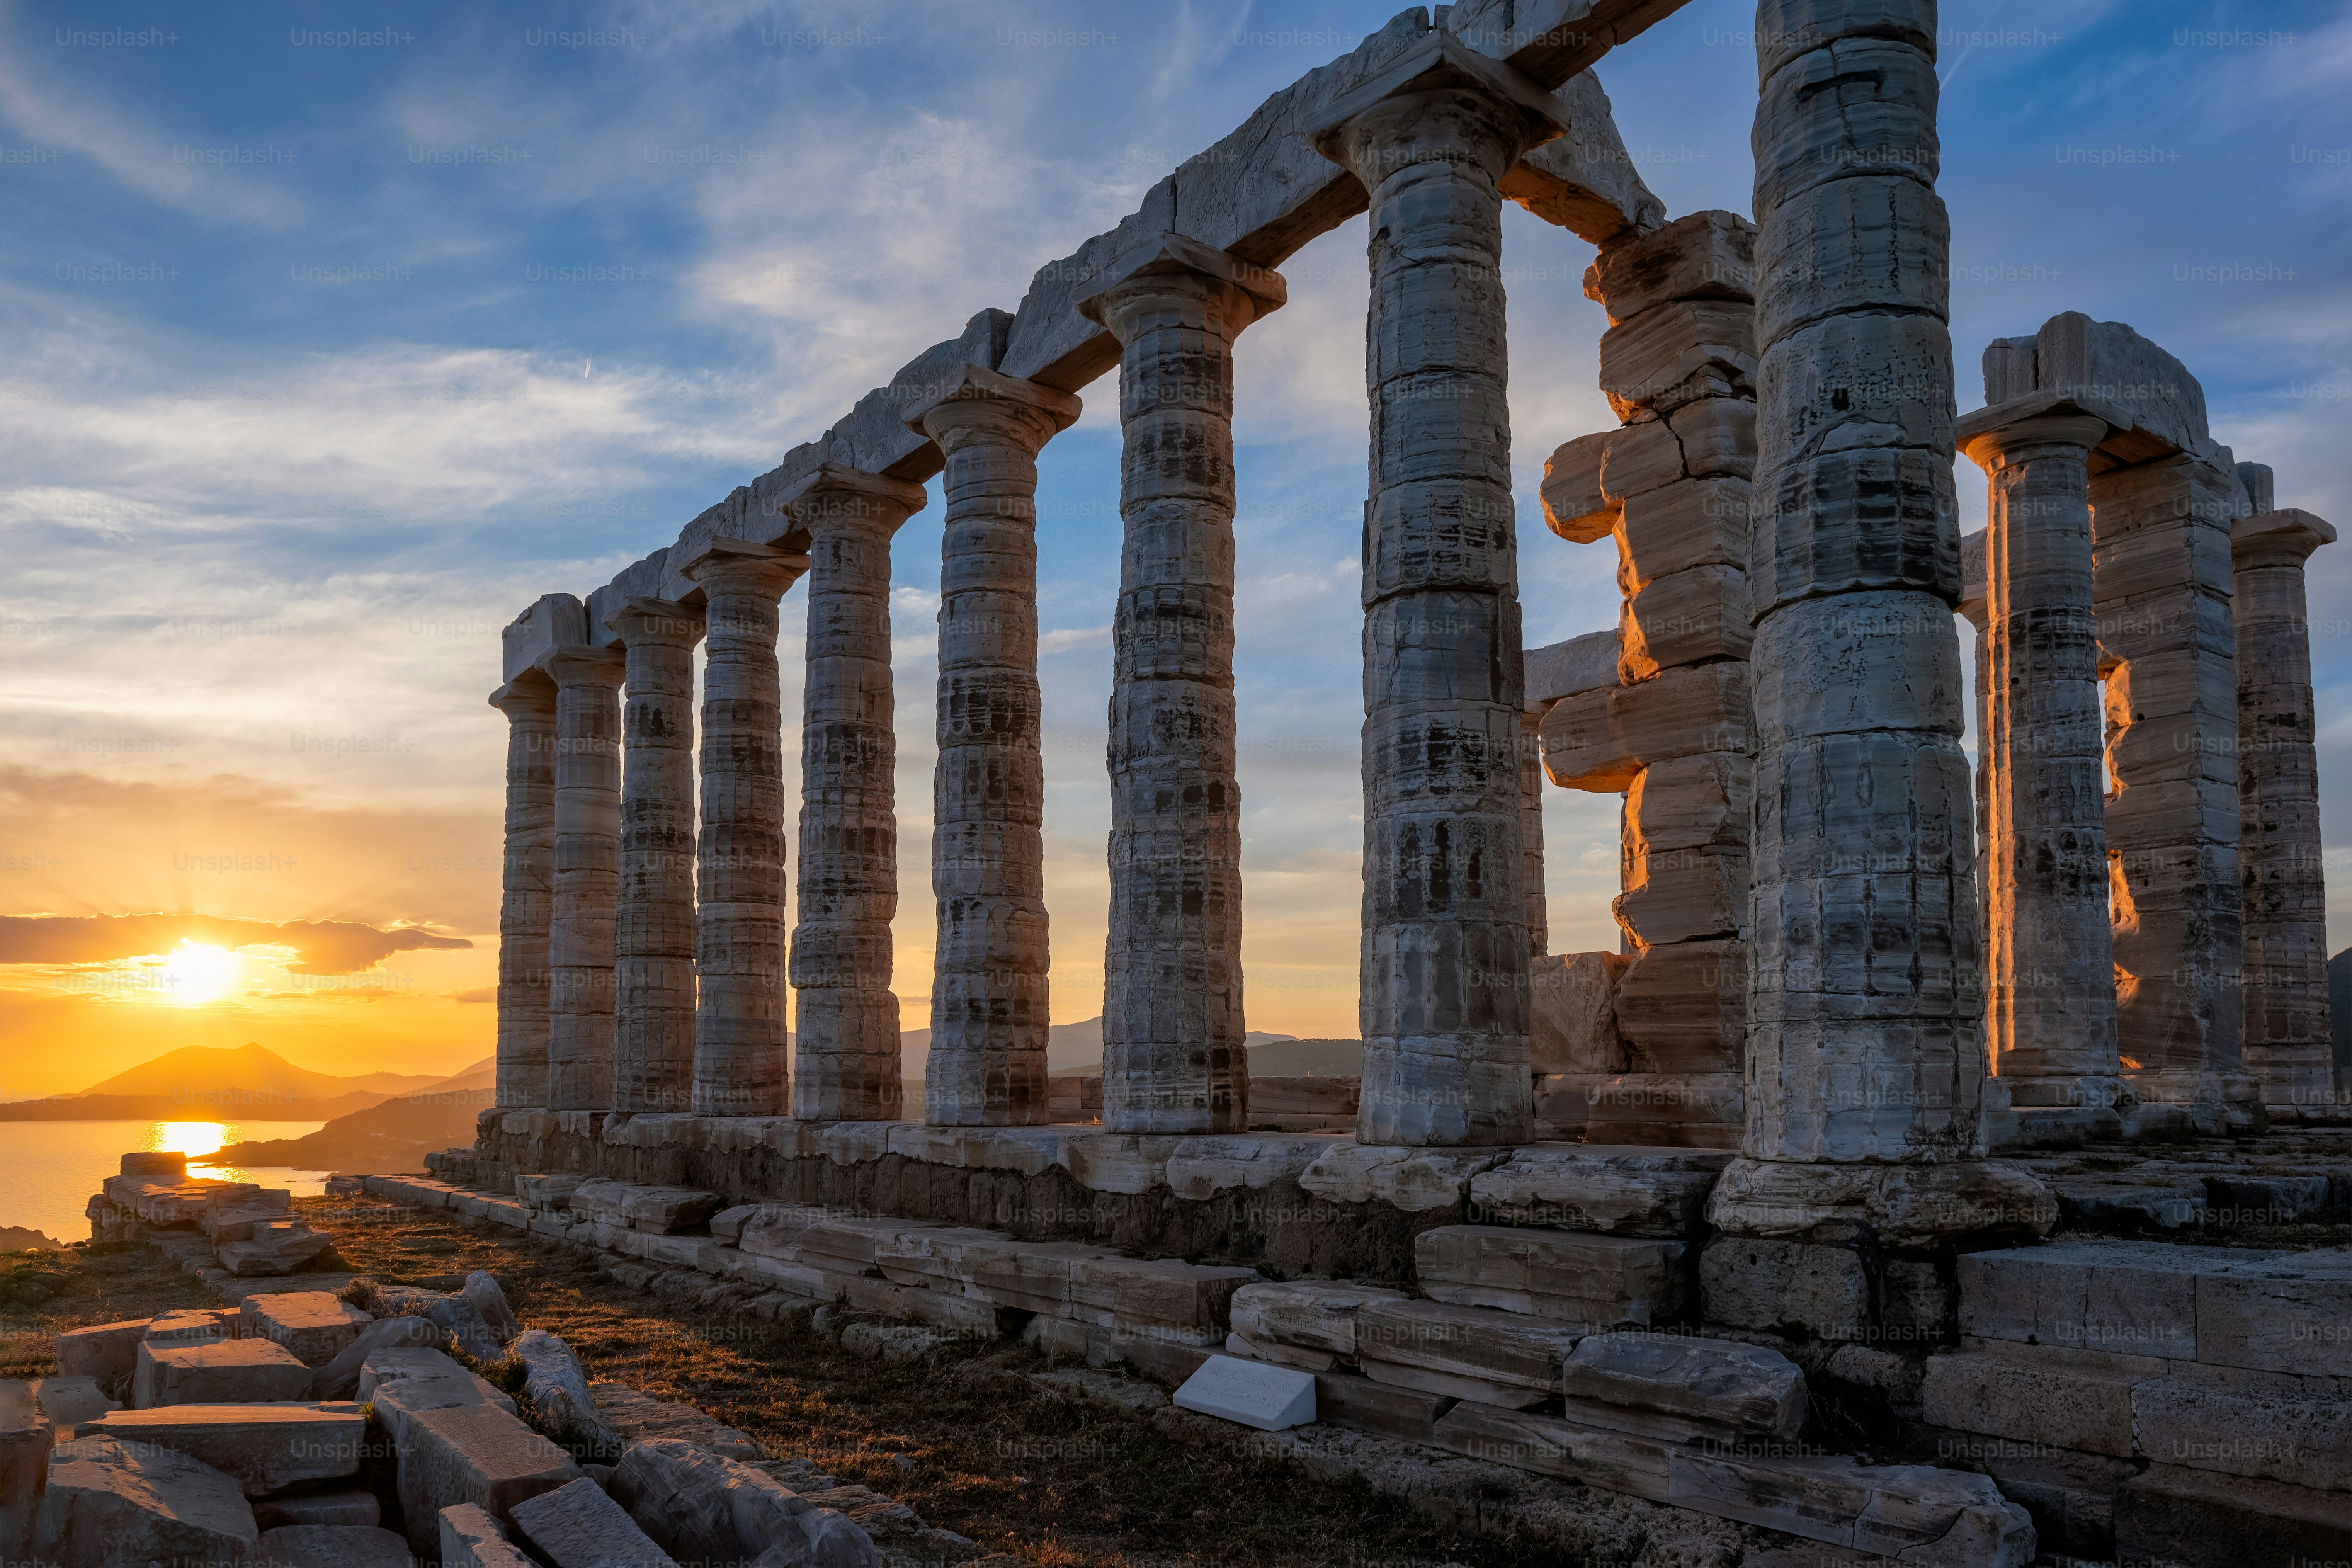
x=465 y=1452
x=1252 y=1393
x=110 y=1504
x=1598 y=1280
x=264 y=1448
x=639 y=1418
x=1315 y=1315
x=192 y=1325
x=344 y=1506
x=106 y=1351
x=706 y=1508
x=1615 y=1189
x=548 y=1192
x=333 y=1546
x=470 y=1537
x=579 y=1526
x=2199 y=1519
x=1743 y=1387
x=231 y=1371
x=67 y=1402
x=558 y=1390
x=26 y=1436
x=315 y=1325
x=1470 y=1352
x=483 y=1293
x=340 y=1378
x=282 y=1247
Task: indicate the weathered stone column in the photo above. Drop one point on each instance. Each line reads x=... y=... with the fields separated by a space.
x=1173 y=1057
x=654 y=933
x=845 y=1045
x=1865 y=1038
x=741 y=1064
x=526 y=889
x=1532 y=843
x=2289 y=1039
x=2049 y=954
x=1445 y=959
x=587 y=876
x=991 y=1006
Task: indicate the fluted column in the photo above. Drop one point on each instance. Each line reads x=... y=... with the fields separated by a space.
x=2289 y=1039
x=1173 y=1057
x=741 y=1060
x=1532 y=843
x=1445 y=943
x=845 y=1046
x=991 y=1007
x=2050 y=1017
x=587 y=876
x=527 y=884
x=654 y=934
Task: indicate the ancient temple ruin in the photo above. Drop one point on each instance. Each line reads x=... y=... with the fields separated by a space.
x=1880 y=1019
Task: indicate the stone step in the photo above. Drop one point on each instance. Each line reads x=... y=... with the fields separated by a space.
x=1613 y=1189
x=1316 y=1316
x=664 y=1211
x=230 y=1372
x=317 y=1326
x=1722 y=1385
x=2199 y=1519
x=1467 y=1353
x=2273 y=1312
x=1598 y=1280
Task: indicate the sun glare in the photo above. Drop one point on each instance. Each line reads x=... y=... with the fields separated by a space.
x=199 y=971
x=192 y=1139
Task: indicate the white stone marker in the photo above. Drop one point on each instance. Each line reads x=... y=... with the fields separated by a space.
x=1252 y=1393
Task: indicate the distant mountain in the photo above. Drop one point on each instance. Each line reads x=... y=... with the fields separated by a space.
x=242 y=1083
x=387 y=1138
x=1070 y=1050
x=247 y=1069
x=18 y=1239
x=1283 y=1056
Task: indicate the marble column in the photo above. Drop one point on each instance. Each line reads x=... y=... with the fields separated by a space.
x=1444 y=1008
x=741 y=1056
x=1865 y=1035
x=846 y=1045
x=654 y=933
x=526 y=889
x=2050 y=1019
x=991 y=1006
x=587 y=876
x=1173 y=1053
x=2289 y=1037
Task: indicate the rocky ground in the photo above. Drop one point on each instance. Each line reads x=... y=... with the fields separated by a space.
x=1062 y=1474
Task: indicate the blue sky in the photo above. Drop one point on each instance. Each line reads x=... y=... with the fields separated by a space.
x=334 y=335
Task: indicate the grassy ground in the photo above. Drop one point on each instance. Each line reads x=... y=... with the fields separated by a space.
x=1064 y=1485
x=41 y=1293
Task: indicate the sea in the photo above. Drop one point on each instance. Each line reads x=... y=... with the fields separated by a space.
x=54 y=1166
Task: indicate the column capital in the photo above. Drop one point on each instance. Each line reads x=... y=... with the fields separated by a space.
x=976 y=403
x=1441 y=101
x=530 y=695
x=2021 y=428
x=837 y=497
x=2284 y=538
x=655 y=622
x=575 y=665
x=1167 y=256
x=739 y=565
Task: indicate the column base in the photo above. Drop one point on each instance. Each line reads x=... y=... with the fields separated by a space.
x=1898 y=1205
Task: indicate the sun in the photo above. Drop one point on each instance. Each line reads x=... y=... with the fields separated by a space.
x=199 y=971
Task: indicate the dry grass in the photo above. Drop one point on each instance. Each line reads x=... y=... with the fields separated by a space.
x=1018 y=1471
x=42 y=1292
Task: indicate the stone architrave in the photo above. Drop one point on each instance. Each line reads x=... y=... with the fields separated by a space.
x=990 y=1001
x=526 y=882
x=587 y=875
x=654 y=932
x=2050 y=1019
x=2289 y=1041
x=1173 y=1058
x=845 y=1044
x=741 y=1059
x=1445 y=949
x=1867 y=988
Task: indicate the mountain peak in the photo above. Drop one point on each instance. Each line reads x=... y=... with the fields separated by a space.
x=218 y=1075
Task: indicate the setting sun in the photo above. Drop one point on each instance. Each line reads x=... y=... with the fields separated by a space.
x=199 y=971
x=193 y=1139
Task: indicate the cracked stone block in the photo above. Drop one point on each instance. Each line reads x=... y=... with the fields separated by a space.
x=231 y=1371
x=110 y=1503
x=264 y=1448
x=1596 y=1281
x=315 y=1325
